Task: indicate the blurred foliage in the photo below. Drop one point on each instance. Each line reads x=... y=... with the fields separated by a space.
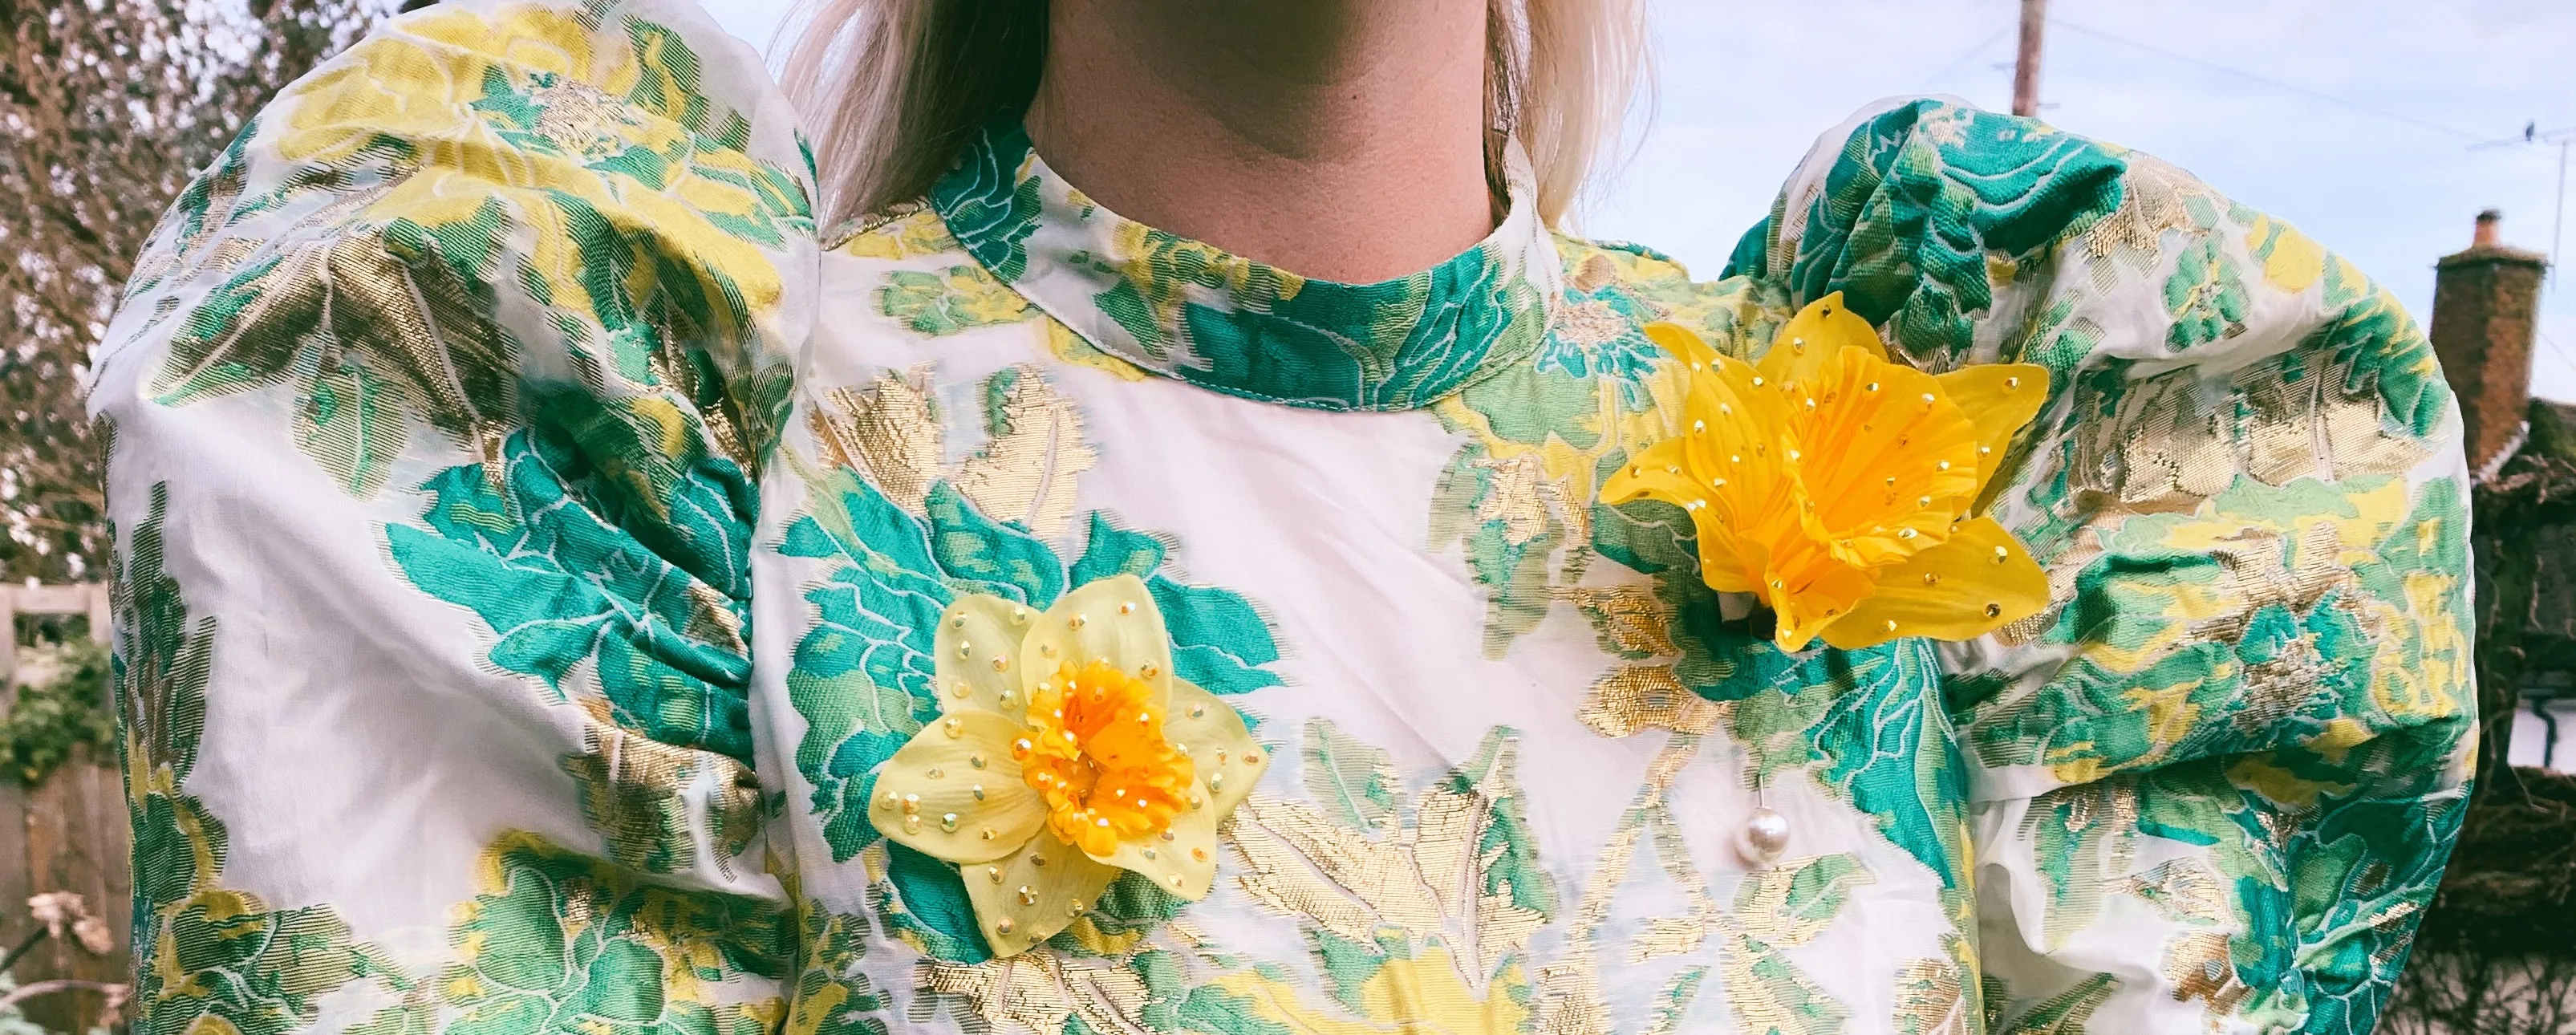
x=54 y=717
x=107 y=107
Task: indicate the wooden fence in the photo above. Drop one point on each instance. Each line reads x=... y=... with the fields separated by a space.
x=67 y=834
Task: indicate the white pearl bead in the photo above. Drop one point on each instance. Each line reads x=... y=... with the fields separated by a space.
x=1765 y=837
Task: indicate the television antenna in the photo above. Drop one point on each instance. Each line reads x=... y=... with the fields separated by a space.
x=2533 y=136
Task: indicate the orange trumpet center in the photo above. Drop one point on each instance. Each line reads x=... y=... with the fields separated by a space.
x=1097 y=755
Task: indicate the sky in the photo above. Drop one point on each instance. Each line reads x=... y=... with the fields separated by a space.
x=2356 y=120
x=2360 y=121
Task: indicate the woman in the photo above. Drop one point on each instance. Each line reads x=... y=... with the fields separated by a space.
x=587 y=565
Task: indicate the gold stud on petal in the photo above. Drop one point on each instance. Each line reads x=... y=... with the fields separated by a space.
x=988 y=833
x=948 y=822
x=1198 y=711
x=912 y=824
x=1994 y=610
x=1148 y=853
x=1941 y=466
x=1149 y=670
x=955 y=726
x=1001 y=664
x=936 y=772
x=2011 y=383
x=1870 y=387
x=1028 y=895
x=976 y=760
x=1077 y=621
x=978 y=789
x=958 y=622
x=1073 y=909
x=1126 y=607
x=993 y=873
x=1176 y=882
x=1199 y=854
x=964 y=649
x=1891 y=625
x=2001 y=555
x=1931 y=578
x=1905 y=533
x=1003 y=926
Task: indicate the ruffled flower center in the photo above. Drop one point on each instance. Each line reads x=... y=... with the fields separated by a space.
x=1097 y=755
x=1862 y=466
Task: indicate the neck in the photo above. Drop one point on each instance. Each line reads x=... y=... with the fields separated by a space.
x=1338 y=139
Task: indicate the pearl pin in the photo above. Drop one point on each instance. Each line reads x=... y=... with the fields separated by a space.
x=1765 y=837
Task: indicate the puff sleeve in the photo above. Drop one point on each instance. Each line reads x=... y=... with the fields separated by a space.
x=437 y=406
x=2214 y=783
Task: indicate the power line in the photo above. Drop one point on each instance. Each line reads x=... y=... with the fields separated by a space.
x=2269 y=81
x=1971 y=52
x=2554 y=350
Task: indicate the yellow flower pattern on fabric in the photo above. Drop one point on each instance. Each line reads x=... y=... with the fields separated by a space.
x=1838 y=486
x=580 y=136
x=1067 y=753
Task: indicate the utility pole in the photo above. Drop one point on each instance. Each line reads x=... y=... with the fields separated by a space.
x=2034 y=21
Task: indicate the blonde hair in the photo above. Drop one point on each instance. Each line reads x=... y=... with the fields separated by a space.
x=891 y=89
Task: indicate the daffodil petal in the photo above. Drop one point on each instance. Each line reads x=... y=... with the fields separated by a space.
x=1813 y=336
x=1682 y=345
x=1999 y=398
x=1659 y=472
x=1977 y=580
x=1220 y=746
x=1656 y=471
x=1026 y=898
x=1800 y=612
x=976 y=655
x=1182 y=859
x=941 y=793
x=1113 y=621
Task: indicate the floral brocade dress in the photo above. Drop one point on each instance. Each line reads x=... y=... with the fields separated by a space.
x=562 y=587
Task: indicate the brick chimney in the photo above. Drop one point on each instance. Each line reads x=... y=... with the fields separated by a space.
x=2486 y=302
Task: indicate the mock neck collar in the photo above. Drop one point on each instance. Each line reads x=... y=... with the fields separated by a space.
x=1197 y=313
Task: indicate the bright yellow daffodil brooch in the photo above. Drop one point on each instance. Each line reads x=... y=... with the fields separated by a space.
x=1837 y=486
x=1065 y=754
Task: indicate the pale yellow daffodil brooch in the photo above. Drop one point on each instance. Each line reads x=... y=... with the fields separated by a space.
x=1838 y=486
x=1066 y=753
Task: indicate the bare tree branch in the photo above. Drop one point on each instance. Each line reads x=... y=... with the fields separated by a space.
x=107 y=108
